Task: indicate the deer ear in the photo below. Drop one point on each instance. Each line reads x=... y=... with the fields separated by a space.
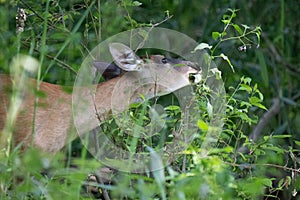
x=107 y=70
x=124 y=57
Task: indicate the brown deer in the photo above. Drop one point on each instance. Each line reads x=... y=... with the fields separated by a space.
x=53 y=118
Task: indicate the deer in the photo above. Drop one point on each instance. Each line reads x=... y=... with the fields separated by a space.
x=53 y=119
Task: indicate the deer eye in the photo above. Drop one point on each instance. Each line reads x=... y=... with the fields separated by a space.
x=164 y=60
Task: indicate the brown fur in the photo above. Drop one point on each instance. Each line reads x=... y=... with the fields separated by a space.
x=54 y=111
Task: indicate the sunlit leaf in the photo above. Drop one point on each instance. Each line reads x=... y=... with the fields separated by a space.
x=202 y=125
x=202 y=46
x=228 y=61
x=246 y=80
x=254 y=100
x=297 y=142
x=238 y=29
x=136 y=3
x=172 y=108
x=245 y=26
x=245 y=87
x=215 y=35
x=225 y=21
x=282 y=136
x=259 y=105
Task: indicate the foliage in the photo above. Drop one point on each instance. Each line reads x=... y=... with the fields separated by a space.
x=247 y=162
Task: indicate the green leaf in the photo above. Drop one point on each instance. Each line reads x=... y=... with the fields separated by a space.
x=259 y=105
x=277 y=136
x=266 y=182
x=246 y=80
x=244 y=103
x=282 y=136
x=245 y=26
x=215 y=35
x=202 y=125
x=136 y=3
x=266 y=138
x=254 y=100
x=228 y=61
x=238 y=29
x=255 y=88
x=278 y=150
x=225 y=21
x=225 y=16
x=245 y=87
x=202 y=46
x=172 y=108
x=223 y=34
x=297 y=142
x=281 y=182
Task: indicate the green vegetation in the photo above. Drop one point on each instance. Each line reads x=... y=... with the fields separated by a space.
x=255 y=46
